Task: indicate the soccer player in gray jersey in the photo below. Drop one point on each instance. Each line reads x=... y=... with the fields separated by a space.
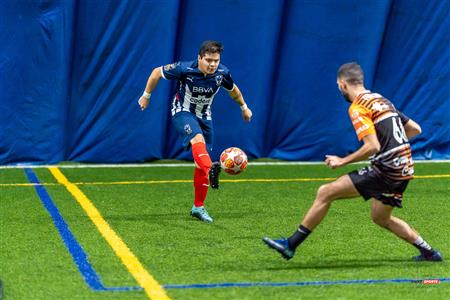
x=198 y=82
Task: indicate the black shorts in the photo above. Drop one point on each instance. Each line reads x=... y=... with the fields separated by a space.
x=372 y=185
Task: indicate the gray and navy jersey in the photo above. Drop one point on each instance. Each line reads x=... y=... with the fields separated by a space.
x=195 y=91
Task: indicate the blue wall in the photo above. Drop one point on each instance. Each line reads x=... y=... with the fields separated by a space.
x=71 y=73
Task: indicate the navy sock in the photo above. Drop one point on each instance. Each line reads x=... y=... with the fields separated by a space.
x=298 y=237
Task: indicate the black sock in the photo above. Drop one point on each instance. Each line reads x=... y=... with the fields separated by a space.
x=298 y=237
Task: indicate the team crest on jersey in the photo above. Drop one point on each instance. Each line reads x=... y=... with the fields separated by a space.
x=219 y=79
x=187 y=129
x=169 y=67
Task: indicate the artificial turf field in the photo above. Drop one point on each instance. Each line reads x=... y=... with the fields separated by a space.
x=148 y=208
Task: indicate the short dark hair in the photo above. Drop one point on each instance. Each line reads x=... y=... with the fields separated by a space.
x=210 y=47
x=352 y=73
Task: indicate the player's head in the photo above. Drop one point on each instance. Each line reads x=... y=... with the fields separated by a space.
x=209 y=56
x=349 y=76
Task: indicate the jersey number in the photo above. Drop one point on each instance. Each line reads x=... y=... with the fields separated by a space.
x=399 y=131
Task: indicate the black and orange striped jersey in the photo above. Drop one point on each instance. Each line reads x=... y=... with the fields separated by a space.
x=371 y=113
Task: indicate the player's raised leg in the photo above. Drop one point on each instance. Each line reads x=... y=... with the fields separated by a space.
x=214 y=171
x=382 y=216
x=341 y=188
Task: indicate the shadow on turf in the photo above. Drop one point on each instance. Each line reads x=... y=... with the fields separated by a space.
x=171 y=216
x=153 y=218
x=182 y=220
x=348 y=264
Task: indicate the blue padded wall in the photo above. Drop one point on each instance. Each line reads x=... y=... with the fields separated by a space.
x=71 y=73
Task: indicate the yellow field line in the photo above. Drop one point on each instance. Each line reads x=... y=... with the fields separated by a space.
x=432 y=176
x=438 y=176
x=152 y=288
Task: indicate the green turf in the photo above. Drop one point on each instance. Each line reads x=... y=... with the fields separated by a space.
x=153 y=220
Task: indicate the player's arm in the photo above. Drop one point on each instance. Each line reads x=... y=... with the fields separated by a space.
x=236 y=95
x=370 y=146
x=365 y=130
x=152 y=81
x=412 y=129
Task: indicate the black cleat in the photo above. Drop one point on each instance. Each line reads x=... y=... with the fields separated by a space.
x=214 y=173
x=281 y=246
x=433 y=256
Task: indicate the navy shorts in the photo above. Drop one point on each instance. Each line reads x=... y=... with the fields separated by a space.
x=370 y=184
x=189 y=125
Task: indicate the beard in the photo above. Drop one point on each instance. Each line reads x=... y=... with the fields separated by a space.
x=346 y=97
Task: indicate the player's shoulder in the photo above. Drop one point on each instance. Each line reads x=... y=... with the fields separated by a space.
x=356 y=109
x=353 y=110
x=180 y=65
x=366 y=97
x=368 y=100
x=223 y=69
x=189 y=65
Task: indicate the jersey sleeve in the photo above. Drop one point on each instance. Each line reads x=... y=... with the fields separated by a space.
x=403 y=118
x=361 y=120
x=227 y=81
x=172 y=71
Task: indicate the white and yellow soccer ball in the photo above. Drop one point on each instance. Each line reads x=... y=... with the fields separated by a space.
x=233 y=160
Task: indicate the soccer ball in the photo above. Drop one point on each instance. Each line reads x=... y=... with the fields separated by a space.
x=233 y=160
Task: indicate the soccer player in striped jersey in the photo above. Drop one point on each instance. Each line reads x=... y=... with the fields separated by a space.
x=198 y=83
x=385 y=132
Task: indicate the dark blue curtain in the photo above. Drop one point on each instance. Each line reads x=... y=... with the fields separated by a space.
x=71 y=73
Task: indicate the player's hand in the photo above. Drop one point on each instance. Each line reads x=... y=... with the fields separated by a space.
x=247 y=114
x=334 y=161
x=143 y=102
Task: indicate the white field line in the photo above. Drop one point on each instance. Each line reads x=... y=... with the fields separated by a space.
x=175 y=165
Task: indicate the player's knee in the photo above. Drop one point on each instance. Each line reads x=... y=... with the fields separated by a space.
x=198 y=138
x=208 y=162
x=325 y=193
x=201 y=157
x=380 y=220
x=203 y=170
x=205 y=164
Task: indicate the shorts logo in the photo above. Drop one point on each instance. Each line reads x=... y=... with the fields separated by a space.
x=364 y=170
x=219 y=79
x=187 y=129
